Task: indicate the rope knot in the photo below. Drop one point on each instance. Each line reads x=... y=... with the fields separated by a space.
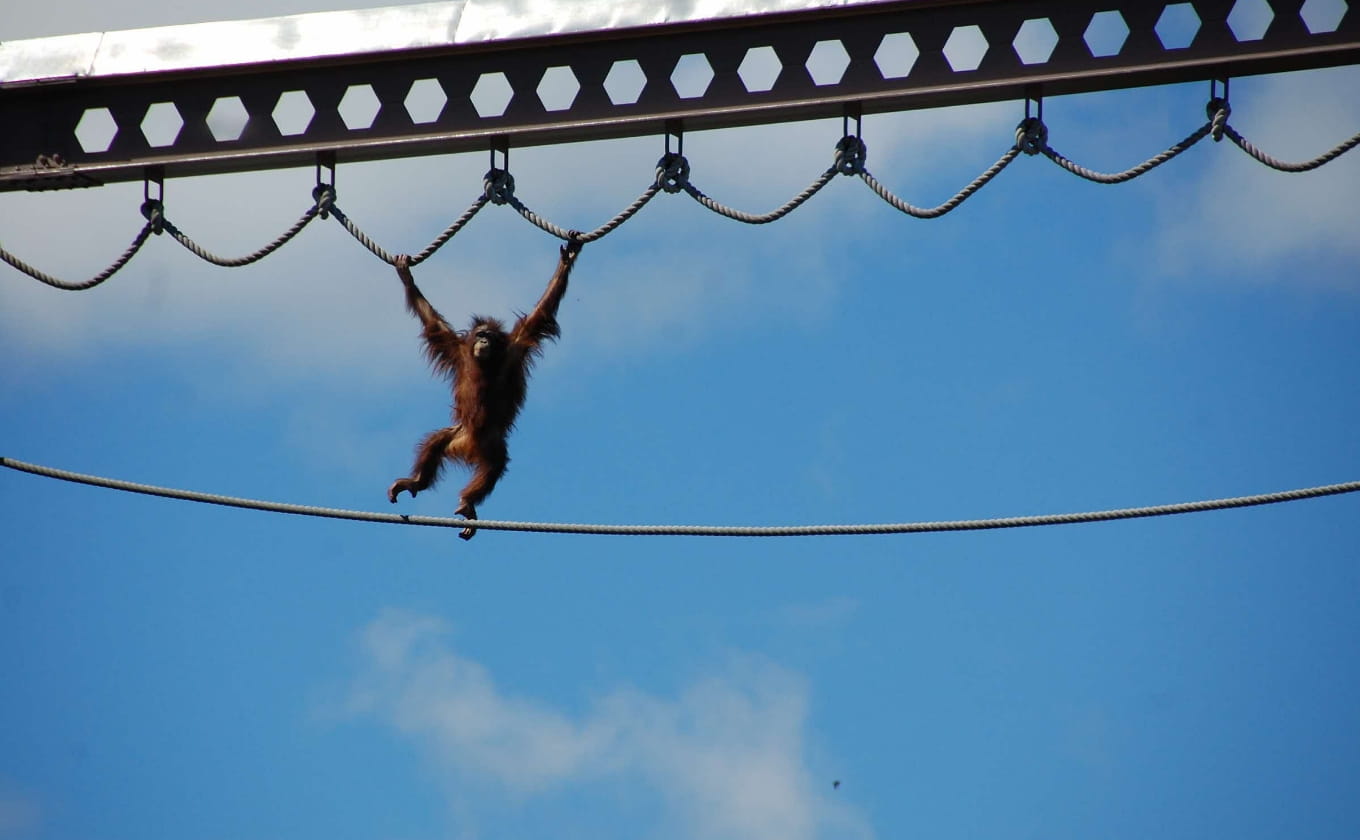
x=154 y=212
x=672 y=172
x=498 y=186
x=1031 y=136
x=1218 y=111
x=850 y=155
x=324 y=196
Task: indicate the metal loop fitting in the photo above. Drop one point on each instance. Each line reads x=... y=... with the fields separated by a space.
x=324 y=196
x=672 y=172
x=154 y=212
x=1031 y=136
x=850 y=155
x=498 y=186
x=1218 y=110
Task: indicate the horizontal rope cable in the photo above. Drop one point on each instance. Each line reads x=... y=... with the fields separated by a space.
x=690 y=530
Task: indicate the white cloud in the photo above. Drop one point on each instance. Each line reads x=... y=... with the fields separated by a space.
x=1242 y=218
x=726 y=756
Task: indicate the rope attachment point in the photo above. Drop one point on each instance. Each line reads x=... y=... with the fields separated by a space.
x=153 y=209
x=850 y=155
x=672 y=172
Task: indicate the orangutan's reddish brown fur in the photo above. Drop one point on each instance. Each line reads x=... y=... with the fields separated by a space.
x=490 y=370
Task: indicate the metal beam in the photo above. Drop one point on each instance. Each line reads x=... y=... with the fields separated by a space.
x=439 y=96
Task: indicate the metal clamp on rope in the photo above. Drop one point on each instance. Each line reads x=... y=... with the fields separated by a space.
x=672 y=172
x=324 y=197
x=850 y=155
x=1031 y=136
x=154 y=212
x=498 y=186
x=1218 y=110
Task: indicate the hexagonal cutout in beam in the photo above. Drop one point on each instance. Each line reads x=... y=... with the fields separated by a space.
x=293 y=112
x=1035 y=41
x=227 y=119
x=692 y=76
x=625 y=82
x=1322 y=16
x=1177 y=26
x=359 y=107
x=759 y=69
x=558 y=88
x=1249 y=19
x=162 y=124
x=425 y=101
x=827 y=62
x=1105 y=34
x=492 y=94
x=95 y=130
x=965 y=48
x=896 y=55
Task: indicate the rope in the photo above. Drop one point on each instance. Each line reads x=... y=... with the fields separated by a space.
x=368 y=242
x=56 y=283
x=590 y=236
x=450 y=231
x=692 y=530
x=761 y=218
x=672 y=176
x=203 y=254
x=1128 y=174
x=1273 y=163
x=935 y=212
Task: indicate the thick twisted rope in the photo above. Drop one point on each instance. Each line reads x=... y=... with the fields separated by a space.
x=672 y=175
x=935 y=212
x=1128 y=174
x=1274 y=163
x=588 y=236
x=692 y=530
x=762 y=218
x=326 y=194
x=450 y=231
x=237 y=262
x=152 y=226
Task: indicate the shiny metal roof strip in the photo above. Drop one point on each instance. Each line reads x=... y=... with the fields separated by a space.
x=202 y=46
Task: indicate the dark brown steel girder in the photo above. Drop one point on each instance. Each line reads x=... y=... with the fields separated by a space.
x=40 y=147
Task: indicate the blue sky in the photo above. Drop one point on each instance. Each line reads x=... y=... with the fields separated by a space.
x=173 y=670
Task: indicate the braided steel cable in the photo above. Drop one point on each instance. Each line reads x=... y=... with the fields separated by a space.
x=692 y=530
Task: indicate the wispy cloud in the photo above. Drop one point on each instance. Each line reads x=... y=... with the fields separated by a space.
x=726 y=756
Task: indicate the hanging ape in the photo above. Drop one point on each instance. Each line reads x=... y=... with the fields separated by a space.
x=489 y=368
